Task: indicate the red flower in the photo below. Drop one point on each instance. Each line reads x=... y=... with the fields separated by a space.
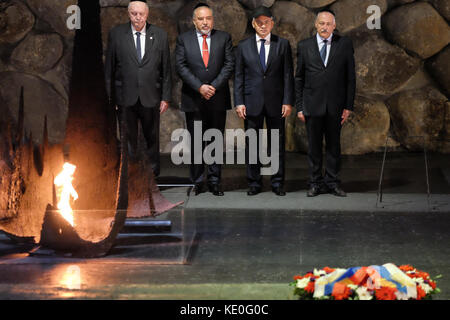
x=298 y=277
x=432 y=284
x=406 y=267
x=310 y=287
x=423 y=275
x=385 y=293
x=328 y=270
x=420 y=293
x=342 y=292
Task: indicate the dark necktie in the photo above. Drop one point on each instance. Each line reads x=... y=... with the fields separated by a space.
x=138 y=46
x=323 y=51
x=262 y=54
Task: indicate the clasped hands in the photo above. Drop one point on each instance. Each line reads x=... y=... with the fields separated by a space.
x=207 y=91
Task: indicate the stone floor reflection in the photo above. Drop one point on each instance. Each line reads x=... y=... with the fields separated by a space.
x=249 y=248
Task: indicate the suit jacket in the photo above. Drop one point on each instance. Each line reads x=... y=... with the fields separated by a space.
x=319 y=88
x=127 y=79
x=191 y=68
x=257 y=89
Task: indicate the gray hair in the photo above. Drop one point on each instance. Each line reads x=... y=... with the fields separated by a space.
x=132 y=1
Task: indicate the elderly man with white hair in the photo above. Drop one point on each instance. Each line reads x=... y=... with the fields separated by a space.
x=138 y=77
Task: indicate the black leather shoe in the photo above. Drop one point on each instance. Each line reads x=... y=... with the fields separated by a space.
x=253 y=191
x=313 y=191
x=279 y=191
x=216 y=190
x=198 y=188
x=338 y=192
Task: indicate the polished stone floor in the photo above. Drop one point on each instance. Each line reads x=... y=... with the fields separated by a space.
x=240 y=247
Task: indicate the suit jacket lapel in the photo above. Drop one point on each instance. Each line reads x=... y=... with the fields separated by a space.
x=316 y=51
x=273 y=50
x=213 y=46
x=130 y=43
x=195 y=46
x=149 y=41
x=334 y=46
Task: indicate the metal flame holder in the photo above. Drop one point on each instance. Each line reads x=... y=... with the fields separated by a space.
x=166 y=238
x=155 y=238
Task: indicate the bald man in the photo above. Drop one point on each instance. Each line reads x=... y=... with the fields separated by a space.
x=325 y=91
x=138 y=77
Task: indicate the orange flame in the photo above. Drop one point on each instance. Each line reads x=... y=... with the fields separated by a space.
x=63 y=182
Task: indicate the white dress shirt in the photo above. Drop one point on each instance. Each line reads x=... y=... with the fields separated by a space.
x=200 y=41
x=266 y=45
x=321 y=43
x=142 y=37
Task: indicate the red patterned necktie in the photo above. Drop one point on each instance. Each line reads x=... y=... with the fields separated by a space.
x=205 y=50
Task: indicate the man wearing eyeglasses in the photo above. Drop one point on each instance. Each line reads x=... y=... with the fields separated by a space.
x=264 y=90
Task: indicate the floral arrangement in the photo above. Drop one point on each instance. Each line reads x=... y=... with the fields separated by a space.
x=386 y=282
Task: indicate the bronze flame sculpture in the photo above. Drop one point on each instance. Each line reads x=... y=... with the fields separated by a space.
x=90 y=143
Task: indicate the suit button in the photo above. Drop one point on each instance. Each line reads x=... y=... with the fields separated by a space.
x=264 y=77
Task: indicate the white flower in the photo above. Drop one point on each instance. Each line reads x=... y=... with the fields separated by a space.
x=319 y=293
x=418 y=280
x=363 y=294
x=302 y=283
x=319 y=273
x=352 y=286
x=401 y=295
x=426 y=287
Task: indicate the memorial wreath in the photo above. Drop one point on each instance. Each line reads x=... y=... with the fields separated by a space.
x=386 y=282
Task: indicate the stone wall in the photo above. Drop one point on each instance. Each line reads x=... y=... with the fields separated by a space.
x=36 y=52
x=402 y=68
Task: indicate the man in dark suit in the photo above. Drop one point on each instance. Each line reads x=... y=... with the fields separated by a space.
x=205 y=62
x=138 y=77
x=325 y=91
x=264 y=89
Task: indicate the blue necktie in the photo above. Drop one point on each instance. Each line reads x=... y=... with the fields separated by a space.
x=138 y=46
x=262 y=55
x=323 y=51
